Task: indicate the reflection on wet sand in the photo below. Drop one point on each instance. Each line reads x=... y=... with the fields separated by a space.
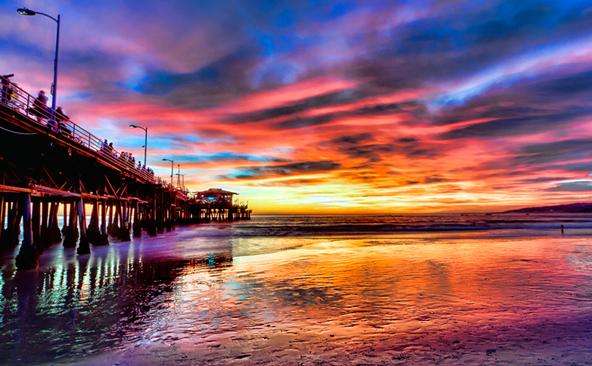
x=367 y=300
x=86 y=305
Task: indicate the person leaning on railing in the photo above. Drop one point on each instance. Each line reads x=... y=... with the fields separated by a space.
x=6 y=90
x=39 y=108
x=105 y=146
x=62 y=119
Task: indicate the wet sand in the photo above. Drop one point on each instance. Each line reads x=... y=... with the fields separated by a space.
x=185 y=298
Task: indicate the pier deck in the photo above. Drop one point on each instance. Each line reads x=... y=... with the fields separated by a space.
x=49 y=164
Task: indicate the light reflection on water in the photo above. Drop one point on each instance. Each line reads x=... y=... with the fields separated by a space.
x=188 y=298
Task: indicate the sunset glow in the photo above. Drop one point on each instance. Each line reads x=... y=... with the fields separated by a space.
x=306 y=107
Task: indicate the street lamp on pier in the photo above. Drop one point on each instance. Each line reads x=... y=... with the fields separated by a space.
x=178 y=175
x=54 y=86
x=172 y=168
x=145 y=141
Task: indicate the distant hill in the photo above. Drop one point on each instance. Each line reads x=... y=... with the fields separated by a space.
x=567 y=208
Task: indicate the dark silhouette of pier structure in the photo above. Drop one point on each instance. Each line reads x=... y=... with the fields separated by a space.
x=218 y=205
x=53 y=166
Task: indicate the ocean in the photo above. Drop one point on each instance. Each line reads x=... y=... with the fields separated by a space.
x=312 y=290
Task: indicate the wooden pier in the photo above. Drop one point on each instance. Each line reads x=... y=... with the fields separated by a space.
x=52 y=166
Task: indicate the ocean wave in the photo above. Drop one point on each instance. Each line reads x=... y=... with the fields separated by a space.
x=351 y=225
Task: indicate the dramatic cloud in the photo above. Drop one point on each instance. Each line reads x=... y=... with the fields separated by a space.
x=303 y=167
x=348 y=106
x=562 y=151
x=577 y=186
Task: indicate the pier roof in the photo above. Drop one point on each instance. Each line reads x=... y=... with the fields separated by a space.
x=215 y=191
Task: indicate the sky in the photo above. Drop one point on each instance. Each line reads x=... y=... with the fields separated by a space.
x=331 y=106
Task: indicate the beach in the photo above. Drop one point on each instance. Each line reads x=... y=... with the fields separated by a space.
x=311 y=291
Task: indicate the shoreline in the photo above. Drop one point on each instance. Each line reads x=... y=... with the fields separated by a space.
x=371 y=300
x=191 y=244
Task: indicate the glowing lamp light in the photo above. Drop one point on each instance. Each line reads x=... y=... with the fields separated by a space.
x=25 y=11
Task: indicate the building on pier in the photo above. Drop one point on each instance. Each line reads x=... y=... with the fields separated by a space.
x=216 y=204
x=215 y=196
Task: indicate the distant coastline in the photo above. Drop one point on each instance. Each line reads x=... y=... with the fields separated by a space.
x=581 y=207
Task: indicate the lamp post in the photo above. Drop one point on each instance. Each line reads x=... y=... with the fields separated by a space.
x=54 y=86
x=172 y=168
x=178 y=175
x=145 y=140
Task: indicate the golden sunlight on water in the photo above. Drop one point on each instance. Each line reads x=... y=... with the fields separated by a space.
x=367 y=300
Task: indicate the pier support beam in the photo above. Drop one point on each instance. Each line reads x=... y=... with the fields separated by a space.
x=104 y=237
x=93 y=232
x=28 y=256
x=151 y=226
x=65 y=221
x=36 y=223
x=83 y=247
x=53 y=228
x=125 y=224
x=137 y=226
x=121 y=227
x=2 y=218
x=43 y=235
x=71 y=231
x=110 y=225
x=14 y=224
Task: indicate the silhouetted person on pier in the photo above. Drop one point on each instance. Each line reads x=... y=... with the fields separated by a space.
x=7 y=90
x=123 y=157
x=562 y=229
x=61 y=118
x=40 y=106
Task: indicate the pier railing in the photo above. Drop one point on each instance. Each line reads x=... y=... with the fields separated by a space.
x=18 y=100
